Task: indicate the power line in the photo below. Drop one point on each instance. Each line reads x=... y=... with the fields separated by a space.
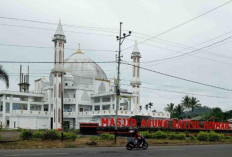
x=179 y=78
x=29 y=62
x=44 y=47
x=191 y=52
x=67 y=25
x=186 y=22
x=20 y=26
x=177 y=92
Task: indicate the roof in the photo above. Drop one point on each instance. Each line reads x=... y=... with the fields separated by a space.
x=135 y=52
x=59 y=30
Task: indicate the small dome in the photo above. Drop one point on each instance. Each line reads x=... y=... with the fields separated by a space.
x=82 y=66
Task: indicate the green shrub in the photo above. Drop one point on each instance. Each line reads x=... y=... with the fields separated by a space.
x=180 y=136
x=203 y=136
x=213 y=136
x=192 y=137
x=171 y=136
x=26 y=134
x=159 y=135
x=146 y=134
x=38 y=134
x=228 y=137
x=93 y=138
x=106 y=136
x=69 y=136
x=50 y=135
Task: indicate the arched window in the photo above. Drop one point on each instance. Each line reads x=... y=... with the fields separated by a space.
x=59 y=117
x=54 y=115
x=134 y=71
x=59 y=90
x=60 y=57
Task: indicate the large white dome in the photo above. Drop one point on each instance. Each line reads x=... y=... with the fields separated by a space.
x=82 y=66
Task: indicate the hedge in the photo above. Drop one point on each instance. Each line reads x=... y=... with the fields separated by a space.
x=106 y=136
x=50 y=135
x=38 y=134
x=203 y=136
x=26 y=134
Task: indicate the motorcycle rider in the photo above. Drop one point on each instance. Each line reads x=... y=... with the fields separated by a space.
x=137 y=138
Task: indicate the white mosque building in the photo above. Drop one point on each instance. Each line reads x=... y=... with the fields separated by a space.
x=87 y=94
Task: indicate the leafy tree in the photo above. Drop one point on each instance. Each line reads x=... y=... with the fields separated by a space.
x=170 y=108
x=186 y=102
x=178 y=111
x=146 y=107
x=194 y=103
x=150 y=104
x=4 y=76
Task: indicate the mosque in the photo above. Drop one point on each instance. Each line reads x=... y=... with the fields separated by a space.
x=80 y=85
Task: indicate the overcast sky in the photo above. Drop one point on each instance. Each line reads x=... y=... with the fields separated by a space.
x=98 y=24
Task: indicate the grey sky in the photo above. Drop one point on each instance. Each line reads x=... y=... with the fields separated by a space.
x=149 y=17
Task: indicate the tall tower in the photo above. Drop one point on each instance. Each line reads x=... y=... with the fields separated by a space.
x=135 y=82
x=58 y=71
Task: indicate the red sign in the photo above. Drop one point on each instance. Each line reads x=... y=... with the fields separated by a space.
x=165 y=123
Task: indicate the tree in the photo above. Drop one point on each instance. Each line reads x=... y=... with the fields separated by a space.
x=146 y=107
x=186 y=102
x=178 y=111
x=150 y=104
x=4 y=76
x=194 y=103
x=170 y=108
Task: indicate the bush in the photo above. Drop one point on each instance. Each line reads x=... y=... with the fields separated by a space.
x=192 y=137
x=159 y=135
x=106 y=136
x=38 y=134
x=171 y=136
x=146 y=134
x=179 y=136
x=213 y=136
x=228 y=137
x=203 y=136
x=69 y=136
x=93 y=138
x=26 y=134
x=50 y=135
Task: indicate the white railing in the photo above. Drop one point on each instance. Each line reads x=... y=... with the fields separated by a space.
x=27 y=112
x=123 y=113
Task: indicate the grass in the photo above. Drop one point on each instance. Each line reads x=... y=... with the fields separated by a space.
x=84 y=142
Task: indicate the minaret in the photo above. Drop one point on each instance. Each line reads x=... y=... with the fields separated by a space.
x=135 y=83
x=58 y=71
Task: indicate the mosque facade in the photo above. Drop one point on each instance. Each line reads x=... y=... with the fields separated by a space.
x=80 y=85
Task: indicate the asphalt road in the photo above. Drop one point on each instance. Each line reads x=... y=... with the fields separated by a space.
x=160 y=151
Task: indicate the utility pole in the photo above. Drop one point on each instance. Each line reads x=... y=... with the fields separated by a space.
x=120 y=39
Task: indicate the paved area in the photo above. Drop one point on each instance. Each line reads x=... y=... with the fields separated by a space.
x=161 y=151
x=10 y=135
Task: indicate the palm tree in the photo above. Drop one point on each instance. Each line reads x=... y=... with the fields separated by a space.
x=4 y=76
x=170 y=108
x=186 y=102
x=150 y=104
x=194 y=103
x=179 y=110
x=146 y=107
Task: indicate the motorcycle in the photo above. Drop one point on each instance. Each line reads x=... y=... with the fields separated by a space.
x=132 y=143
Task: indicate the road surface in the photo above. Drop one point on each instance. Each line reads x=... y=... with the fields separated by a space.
x=160 y=151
